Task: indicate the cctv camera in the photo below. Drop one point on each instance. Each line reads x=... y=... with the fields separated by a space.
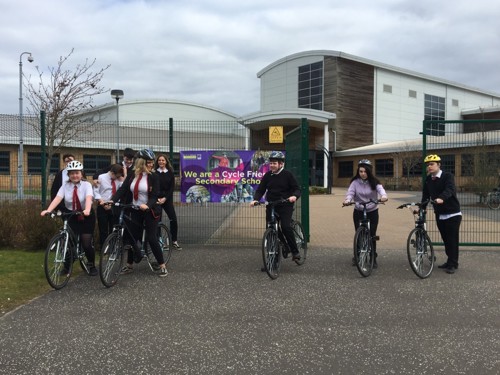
x=30 y=59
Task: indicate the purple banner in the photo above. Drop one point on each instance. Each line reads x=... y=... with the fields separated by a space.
x=221 y=176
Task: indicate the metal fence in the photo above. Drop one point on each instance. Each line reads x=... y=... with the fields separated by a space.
x=469 y=149
x=95 y=144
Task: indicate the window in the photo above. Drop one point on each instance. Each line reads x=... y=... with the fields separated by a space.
x=35 y=163
x=94 y=163
x=346 y=169
x=435 y=110
x=412 y=94
x=384 y=168
x=4 y=162
x=448 y=163
x=310 y=86
x=388 y=89
x=467 y=165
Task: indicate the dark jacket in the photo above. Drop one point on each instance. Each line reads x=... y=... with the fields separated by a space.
x=444 y=188
x=167 y=184
x=278 y=186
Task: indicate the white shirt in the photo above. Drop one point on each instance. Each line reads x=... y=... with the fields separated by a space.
x=66 y=192
x=104 y=188
x=143 y=190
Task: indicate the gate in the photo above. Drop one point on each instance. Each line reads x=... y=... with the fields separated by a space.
x=470 y=149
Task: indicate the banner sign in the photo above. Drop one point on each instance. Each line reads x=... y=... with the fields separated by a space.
x=221 y=176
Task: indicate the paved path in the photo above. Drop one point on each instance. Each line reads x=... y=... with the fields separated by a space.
x=216 y=313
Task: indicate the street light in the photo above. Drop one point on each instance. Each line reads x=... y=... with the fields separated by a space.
x=117 y=95
x=20 y=175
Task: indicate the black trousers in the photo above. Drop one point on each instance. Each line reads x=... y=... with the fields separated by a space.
x=449 y=230
x=285 y=212
x=373 y=217
x=169 y=209
x=105 y=222
x=85 y=228
x=151 y=224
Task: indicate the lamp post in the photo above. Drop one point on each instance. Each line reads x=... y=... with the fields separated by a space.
x=20 y=175
x=117 y=95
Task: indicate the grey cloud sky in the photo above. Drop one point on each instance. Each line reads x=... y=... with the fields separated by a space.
x=209 y=52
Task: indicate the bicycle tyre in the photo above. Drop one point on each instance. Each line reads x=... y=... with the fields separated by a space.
x=165 y=242
x=271 y=254
x=420 y=253
x=111 y=260
x=363 y=251
x=57 y=259
x=493 y=201
x=301 y=242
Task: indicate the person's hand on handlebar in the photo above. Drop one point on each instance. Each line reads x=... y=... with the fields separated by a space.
x=292 y=199
x=384 y=198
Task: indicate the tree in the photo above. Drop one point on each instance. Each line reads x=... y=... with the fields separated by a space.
x=410 y=156
x=64 y=95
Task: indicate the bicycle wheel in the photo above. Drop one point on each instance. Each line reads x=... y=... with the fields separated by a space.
x=420 y=253
x=110 y=262
x=271 y=255
x=82 y=257
x=58 y=262
x=363 y=251
x=165 y=241
x=493 y=201
x=298 y=233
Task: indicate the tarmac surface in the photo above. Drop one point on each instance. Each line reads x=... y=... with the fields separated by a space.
x=216 y=313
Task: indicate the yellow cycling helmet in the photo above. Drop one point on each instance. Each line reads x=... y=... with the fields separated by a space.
x=430 y=158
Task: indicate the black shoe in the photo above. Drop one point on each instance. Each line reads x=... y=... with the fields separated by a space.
x=93 y=271
x=444 y=265
x=63 y=272
x=375 y=265
x=451 y=270
x=353 y=261
x=285 y=253
x=296 y=257
x=263 y=269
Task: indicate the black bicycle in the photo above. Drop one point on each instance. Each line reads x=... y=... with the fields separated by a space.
x=63 y=249
x=111 y=260
x=274 y=244
x=364 y=253
x=419 y=246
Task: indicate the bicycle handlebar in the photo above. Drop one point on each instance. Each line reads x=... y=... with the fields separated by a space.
x=416 y=204
x=123 y=205
x=58 y=213
x=272 y=203
x=378 y=201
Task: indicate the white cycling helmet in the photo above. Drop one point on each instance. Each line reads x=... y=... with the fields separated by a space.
x=74 y=165
x=365 y=162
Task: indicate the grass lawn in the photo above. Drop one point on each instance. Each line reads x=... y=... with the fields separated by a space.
x=21 y=278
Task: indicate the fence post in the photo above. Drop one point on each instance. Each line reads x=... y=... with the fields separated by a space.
x=44 y=159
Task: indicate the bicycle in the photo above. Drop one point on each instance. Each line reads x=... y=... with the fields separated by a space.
x=274 y=245
x=61 y=252
x=111 y=260
x=493 y=199
x=364 y=253
x=419 y=246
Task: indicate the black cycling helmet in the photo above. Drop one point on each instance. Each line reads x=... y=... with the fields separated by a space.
x=277 y=155
x=146 y=154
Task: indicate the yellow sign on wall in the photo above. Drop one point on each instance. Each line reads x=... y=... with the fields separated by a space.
x=276 y=134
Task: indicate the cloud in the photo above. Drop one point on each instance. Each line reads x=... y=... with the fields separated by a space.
x=210 y=51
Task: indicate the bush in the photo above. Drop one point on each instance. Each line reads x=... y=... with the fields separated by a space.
x=314 y=190
x=21 y=225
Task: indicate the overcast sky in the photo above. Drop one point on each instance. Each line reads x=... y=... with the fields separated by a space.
x=209 y=52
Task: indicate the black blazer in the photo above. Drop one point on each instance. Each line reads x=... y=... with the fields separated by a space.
x=125 y=195
x=444 y=188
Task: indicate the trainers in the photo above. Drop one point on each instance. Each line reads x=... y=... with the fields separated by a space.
x=63 y=272
x=93 y=271
x=126 y=270
x=163 y=272
x=296 y=257
x=176 y=246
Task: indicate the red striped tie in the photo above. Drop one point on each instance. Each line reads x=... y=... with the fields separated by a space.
x=113 y=187
x=136 y=187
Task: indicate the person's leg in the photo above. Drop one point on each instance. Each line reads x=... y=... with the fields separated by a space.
x=170 y=211
x=451 y=234
x=285 y=211
x=374 y=218
x=102 y=223
x=152 y=237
